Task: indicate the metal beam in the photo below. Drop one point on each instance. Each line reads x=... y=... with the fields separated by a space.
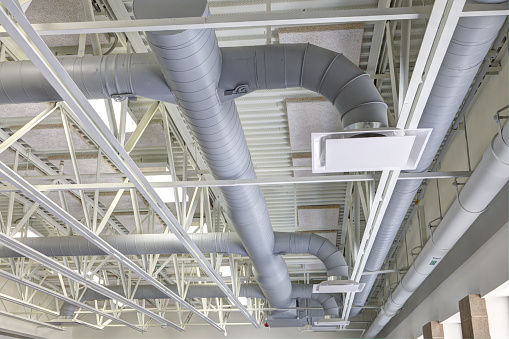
x=26 y=128
x=120 y=11
x=32 y=321
x=245 y=182
x=32 y=44
x=443 y=20
x=441 y=26
x=29 y=252
x=257 y=20
x=57 y=295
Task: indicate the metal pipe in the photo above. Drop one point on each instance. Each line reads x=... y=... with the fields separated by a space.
x=98 y=77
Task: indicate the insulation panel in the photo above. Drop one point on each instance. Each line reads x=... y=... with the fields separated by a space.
x=310 y=115
x=344 y=38
x=318 y=217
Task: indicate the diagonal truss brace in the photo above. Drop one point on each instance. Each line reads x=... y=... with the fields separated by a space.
x=32 y=44
x=54 y=294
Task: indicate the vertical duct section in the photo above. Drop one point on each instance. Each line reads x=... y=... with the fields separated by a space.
x=470 y=43
x=191 y=63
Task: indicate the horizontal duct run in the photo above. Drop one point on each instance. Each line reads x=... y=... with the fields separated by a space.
x=284 y=243
x=98 y=77
x=299 y=291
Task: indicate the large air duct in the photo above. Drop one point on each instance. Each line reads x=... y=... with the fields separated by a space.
x=284 y=66
x=299 y=291
x=349 y=89
x=138 y=244
x=191 y=63
x=469 y=45
x=98 y=77
x=489 y=177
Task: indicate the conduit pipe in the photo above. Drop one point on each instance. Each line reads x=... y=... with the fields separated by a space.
x=138 y=244
x=489 y=177
x=327 y=301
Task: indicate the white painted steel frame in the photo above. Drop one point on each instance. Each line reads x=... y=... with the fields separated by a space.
x=257 y=20
x=29 y=252
x=442 y=22
x=34 y=47
x=244 y=182
x=57 y=295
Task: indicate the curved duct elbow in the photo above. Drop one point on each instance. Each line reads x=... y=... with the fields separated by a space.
x=315 y=245
x=328 y=73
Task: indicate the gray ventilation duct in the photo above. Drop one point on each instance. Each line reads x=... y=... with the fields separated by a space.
x=349 y=89
x=104 y=77
x=469 y=45
x=191 y=63
x=299 y=291
x=284 y=243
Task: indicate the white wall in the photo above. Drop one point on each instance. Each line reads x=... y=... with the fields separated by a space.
x=481 y=273
x=498 y=316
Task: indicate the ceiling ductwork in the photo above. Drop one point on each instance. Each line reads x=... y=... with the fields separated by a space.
x=192 y=65
x=490 y=176
x=187 y=68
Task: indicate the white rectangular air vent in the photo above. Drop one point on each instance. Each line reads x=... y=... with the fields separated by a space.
x=331 y=322
x=338 y=286
x=368 y=150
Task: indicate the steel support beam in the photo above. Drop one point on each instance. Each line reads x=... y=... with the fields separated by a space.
x=442 y=22
x=257 y=20
x=31 y=43
x=29 y=252
x=244 y=182
x=59 y=296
